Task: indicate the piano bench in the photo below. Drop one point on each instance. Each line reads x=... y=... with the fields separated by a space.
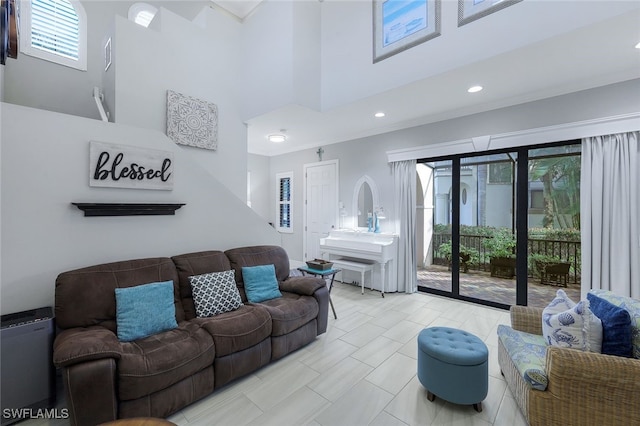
x=357 y=266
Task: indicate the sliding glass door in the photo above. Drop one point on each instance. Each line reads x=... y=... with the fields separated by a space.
x=501 y=228
x=487 y=250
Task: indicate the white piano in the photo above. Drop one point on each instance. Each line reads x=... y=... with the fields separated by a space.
x=361 y=251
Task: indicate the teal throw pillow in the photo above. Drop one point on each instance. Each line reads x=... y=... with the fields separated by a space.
x=260 y=283
x=144 y=310
x=616 y=326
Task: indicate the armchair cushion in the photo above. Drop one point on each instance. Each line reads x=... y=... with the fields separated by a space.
x=616 y=326
x=144 y=310
x=528 y=352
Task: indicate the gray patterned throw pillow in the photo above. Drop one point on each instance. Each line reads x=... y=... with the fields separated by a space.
x=215 y=293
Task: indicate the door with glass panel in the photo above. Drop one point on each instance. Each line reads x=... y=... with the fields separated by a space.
x=553 y=242
x=487 y=219
x=434 y=216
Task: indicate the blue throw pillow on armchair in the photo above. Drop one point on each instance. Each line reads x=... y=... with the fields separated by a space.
x=260 y=283
x=616 y=326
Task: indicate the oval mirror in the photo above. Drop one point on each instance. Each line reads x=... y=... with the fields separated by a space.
x=365 y=199
x=365 y=204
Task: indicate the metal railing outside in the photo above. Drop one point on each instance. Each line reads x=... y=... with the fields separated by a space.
x=565 y=251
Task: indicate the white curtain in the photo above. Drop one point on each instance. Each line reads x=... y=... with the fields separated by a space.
x=610 y=213
x=404 y=178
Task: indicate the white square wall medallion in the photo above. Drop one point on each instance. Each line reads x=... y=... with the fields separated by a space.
x=192 y=121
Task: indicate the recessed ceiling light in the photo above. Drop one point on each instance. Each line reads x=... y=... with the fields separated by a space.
x=277 y=138
x=379 y=114
x=638 y=45
x=474 y=89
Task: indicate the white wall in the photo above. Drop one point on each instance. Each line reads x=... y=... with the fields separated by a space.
x=41 y=84
x=261 y=191
x=281 y=57
x=45 y=163
x=606 y=101
x=176 y=54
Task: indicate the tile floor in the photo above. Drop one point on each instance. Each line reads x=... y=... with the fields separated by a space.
x=361 y=372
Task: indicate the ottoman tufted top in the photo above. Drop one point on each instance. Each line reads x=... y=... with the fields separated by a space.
x=452 y=346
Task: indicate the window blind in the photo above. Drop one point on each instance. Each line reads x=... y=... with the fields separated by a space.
x=284 y=204
x=55 y=27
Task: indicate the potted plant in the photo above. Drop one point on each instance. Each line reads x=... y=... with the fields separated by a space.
x=468 y=256
x=502 y=259
x=551 y=269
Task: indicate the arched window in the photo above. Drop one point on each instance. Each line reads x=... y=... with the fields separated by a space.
x=142 y=13
x=55 y=30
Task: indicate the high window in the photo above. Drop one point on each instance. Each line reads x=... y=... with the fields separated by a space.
x=56 y=31
x=284 y=202
x=142 y=14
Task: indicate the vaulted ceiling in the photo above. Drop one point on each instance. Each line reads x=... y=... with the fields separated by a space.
x=597 y=53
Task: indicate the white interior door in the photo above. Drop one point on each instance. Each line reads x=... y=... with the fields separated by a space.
x=321 y=204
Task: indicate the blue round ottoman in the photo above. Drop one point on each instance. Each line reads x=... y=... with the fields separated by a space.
x=452 y=364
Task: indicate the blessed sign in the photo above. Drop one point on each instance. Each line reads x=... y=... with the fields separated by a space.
x=121 y=166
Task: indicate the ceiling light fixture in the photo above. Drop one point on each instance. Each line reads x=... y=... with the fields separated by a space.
x=638 y=45
x=474 y=89
x=277 y=138
x=379 y=114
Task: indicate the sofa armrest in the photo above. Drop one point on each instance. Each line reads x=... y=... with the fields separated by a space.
x=77 y=345
x=587 y=388
x=90 y=389
x=305 y=286
x=527 y=319
x=311 y=286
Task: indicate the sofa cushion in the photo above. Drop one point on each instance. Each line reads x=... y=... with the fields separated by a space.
x=528 y=352
x=237 y=330
x=85 y=297
x=576 y=327
x=260 y=283
x=630 y=305
x=259 y=255
x=215 y=293
x=144 y=310
x=616 y=326
x=290 y=312
x=156 y=362
x=197 y=263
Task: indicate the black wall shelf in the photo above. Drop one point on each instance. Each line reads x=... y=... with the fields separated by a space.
x=128 y=209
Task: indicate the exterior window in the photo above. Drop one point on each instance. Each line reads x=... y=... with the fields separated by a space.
x=142 y=14
x=284 y=190
x=536 y=199
x=56 y=31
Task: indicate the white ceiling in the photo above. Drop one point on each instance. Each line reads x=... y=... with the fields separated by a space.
x=594 y=55
x=240 y=8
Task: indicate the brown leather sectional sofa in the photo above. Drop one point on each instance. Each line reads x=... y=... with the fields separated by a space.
x=106 y=379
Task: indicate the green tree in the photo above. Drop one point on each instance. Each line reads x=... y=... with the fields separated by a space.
x=560 y=177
